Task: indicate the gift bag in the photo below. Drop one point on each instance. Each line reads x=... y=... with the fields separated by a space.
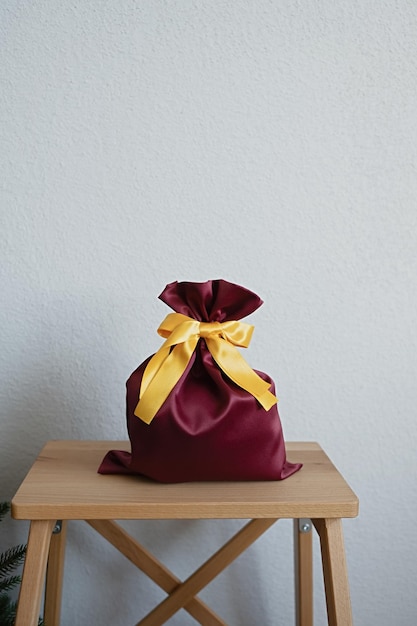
x=196 y=411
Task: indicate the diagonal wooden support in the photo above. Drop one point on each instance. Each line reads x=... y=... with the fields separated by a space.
x=34 y=572
x=336 y=582
x=153 y=568
x=207 y=572
x=303 y=572
x=55 y=576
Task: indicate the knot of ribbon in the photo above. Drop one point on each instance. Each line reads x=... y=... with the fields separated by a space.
x=182 y=333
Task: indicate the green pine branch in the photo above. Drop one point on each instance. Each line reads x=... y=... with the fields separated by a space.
x=7 y=611
x=12 y=558
x=4 y=509
x=7 y=584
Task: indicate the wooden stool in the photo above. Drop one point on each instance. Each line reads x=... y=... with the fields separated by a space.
x=63 y=484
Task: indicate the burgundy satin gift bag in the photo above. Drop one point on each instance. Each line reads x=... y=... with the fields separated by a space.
x=195 y=410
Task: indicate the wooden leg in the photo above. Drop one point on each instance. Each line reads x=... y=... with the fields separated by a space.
x=54 y=577
x=156 y=571
x=34 y=572
x=303 y=570
x=335 y=571
x=205 y=574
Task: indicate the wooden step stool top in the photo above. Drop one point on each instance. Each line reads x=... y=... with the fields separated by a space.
x=63 y=483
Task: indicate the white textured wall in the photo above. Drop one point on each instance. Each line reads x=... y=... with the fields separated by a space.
x=271 y=143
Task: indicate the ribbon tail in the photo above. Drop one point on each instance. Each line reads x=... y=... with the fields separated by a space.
x=160 y=376
x=152 y=368
x=238 y=370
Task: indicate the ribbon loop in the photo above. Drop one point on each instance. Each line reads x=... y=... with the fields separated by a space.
x=209 y=328
x=182 y=334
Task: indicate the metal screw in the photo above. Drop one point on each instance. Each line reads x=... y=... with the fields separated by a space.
x=304 y=525
x=57 y=528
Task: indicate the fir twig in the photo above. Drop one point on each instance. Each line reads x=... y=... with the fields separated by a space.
x=12 y=558
x=7 y=611
x=4 y=509
x=9 y=583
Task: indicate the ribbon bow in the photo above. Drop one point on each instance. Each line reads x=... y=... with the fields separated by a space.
x=182 y=334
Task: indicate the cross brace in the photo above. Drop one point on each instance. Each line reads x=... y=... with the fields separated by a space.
x=181 y=594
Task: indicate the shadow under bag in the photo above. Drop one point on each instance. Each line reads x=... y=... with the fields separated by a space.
x=196 y=411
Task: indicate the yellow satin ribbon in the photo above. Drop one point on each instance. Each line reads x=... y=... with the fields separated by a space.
x=182 y=334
